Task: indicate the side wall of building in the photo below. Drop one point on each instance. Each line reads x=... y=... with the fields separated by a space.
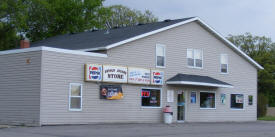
x=20 y=88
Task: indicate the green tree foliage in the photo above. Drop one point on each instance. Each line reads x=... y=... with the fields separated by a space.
x=8 y=37
x=262 y=50
x=261 y=106
x=121 y=16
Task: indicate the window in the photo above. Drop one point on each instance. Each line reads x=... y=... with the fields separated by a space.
x=160 y=55
x=194 y=58
x=237 y=101
x=207 y=100
x=224 y=63
x=75 y=97
x=150 y=97
x=250 y=100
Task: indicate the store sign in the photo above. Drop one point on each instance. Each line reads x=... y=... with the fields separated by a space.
x=157 y=77
x=93 y=72
x=239 y=98
x=145 y=94
x=116 y=74
x=111 y=92
x=138 y=75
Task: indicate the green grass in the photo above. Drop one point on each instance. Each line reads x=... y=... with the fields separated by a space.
x=267 y=118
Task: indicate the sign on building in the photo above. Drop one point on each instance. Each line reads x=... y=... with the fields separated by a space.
x=111 y=92
x=115 y=74
x=93 y=72
x=157 y=77
x=138 y=75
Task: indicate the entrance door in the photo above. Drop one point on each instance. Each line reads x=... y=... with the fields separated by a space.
x=181 y=106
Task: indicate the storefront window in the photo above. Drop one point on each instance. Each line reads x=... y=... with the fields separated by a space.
x=150 y=97
x=237 y=101
x=250 y=100
x=207 y=100
x=75 y=96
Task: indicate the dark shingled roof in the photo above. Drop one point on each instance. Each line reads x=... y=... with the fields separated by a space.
x=95 y=39
x=197 y=78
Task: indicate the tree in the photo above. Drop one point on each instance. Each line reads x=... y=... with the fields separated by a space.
x=121 y=16
x=262 y=50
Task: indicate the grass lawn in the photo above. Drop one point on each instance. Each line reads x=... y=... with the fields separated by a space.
x=267 y=118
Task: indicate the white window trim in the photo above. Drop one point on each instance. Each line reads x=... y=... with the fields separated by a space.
x=215 y=99
x=73 y=109
x=243 y=101
x=193 y=52
x=160 y=106
x=221 y=64
x=164 y=50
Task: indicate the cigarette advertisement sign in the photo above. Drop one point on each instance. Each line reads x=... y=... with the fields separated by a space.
x=93 y=72
x=157 y=77
x=138 y=75
x=115 y=74
x=111 y=92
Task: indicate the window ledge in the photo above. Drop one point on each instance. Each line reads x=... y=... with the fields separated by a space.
x=236 y=109
x=195 y=67
x=160 y=67
x=75 y=109
x=208 y=108
x=150 y=107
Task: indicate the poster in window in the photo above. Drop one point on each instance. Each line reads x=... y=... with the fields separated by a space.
x=138 y=75
x=115 y=74
x=239 y=98
x=111 y=92
x=170 y=96
x=93 y=72
x=157 y=77
x=193 y=97
x=223 y=98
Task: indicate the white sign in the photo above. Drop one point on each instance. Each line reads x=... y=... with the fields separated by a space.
x=170 y=96
x=239 y=98
x=116 y=74
x=93 y=72
x=157 y=77
x=138 y=75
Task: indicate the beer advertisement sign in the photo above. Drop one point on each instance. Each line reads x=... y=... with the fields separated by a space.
x=138 y=75
x=157 y=77
x=111 y=92
x=115 y=74
x=93 y=72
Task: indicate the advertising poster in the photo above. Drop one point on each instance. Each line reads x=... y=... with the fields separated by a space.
x=223 y=98
x=193 y=97
x=138 y=75
x=170 y=96
x=115 y=74
x=239 y=98
x=93 y=72
x=111 y=92
x=157 y=77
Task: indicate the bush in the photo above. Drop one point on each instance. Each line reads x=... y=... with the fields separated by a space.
x=262 y=104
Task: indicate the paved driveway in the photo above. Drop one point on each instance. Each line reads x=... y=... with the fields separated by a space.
x=250 y=129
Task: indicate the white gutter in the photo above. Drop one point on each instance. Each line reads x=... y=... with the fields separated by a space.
x=198 y=84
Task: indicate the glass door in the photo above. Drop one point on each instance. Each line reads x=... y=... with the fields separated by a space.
x=181 y=106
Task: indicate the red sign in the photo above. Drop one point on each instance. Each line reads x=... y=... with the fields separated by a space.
x=145 y=93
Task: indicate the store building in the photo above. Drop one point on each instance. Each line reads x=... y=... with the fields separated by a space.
x=127 y=75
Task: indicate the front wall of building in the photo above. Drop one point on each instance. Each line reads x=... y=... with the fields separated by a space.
x=59 y=70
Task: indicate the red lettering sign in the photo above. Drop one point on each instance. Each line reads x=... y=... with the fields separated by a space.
x=145 y=93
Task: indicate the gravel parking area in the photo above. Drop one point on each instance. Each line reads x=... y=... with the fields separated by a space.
x=247 y=129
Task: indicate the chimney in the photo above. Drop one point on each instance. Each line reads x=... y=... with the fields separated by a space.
x=24 y=44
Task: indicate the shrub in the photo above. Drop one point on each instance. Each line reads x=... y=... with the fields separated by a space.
x=262 y=104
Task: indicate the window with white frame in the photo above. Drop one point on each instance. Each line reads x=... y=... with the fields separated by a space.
x=75 y=96
x=194 y=58
x=207 y=100
x=237 y=101
x=224 y=63
x=160 y=55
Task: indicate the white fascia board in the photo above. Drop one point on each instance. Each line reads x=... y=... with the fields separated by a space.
x=42 y=48
x=198 y=84
x=230 y=44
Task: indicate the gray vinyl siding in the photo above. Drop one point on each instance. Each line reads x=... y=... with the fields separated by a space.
x=20 y=88
x=60 y=69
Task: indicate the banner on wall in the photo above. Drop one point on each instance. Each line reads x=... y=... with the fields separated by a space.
x=116 y=74
x=138 y=75
x=112 y=92
x=157 y=77
x=93 y=72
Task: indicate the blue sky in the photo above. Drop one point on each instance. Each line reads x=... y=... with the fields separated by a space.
x=225 y=16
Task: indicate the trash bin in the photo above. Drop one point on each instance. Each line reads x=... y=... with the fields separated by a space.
x=167 y=115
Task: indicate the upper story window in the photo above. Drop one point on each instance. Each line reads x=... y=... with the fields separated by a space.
x=224 y=63
x=194 y=58
x=160 y=55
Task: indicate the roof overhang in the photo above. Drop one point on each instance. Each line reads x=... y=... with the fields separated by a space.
x=217 y=34
x=198 y=84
